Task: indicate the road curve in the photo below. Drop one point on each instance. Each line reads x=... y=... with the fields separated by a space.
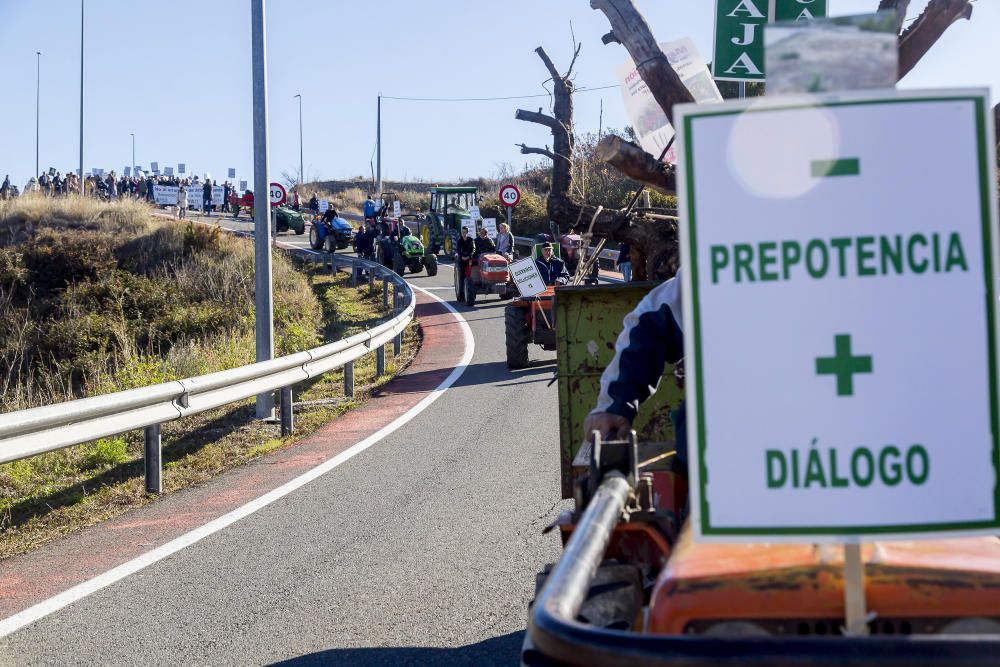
x=421 y=549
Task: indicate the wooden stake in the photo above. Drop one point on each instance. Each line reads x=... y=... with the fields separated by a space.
x=855 y=614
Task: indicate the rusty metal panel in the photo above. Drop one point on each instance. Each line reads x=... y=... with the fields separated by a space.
x=588 y=322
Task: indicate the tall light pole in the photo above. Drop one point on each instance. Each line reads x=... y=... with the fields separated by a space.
x=378 y=144
x=38 y=88
x=133 y=151
x=81 y=96
x=302 y=173
x=261 y=202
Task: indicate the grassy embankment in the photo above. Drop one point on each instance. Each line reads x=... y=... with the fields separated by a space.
x=97 y=298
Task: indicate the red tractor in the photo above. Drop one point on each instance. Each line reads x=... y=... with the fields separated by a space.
x=529 y=320
x=488 y=273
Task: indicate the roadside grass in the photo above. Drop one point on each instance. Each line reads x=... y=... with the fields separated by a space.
x=61 y=492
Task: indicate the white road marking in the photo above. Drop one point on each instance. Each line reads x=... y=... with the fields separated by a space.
x=80 y=591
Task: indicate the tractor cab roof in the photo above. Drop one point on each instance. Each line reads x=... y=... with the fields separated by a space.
x=449 y=189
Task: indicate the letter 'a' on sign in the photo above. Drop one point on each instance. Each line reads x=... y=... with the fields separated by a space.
x=864 y=422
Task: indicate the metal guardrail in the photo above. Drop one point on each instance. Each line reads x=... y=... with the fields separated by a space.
x=43 y=429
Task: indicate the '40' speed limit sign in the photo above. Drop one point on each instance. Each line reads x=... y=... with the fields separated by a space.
x=510 y=195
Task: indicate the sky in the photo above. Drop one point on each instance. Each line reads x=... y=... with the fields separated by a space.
x=178 y=76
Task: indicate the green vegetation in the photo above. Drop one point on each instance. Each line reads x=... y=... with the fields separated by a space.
x=96 y=298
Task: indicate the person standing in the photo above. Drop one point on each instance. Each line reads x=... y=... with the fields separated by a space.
x=182 y=202
x=625 y=262
x=227 y=191
x=206 y=197
x=369 y=208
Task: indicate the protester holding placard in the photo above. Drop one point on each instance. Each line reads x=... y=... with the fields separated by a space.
x=182 y=202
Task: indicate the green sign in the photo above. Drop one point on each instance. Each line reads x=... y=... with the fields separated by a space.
x=739 y=33
x=798 y=10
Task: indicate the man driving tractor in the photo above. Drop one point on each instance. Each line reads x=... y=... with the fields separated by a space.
x=464 y=249
x=551 y=267
x=483 y=243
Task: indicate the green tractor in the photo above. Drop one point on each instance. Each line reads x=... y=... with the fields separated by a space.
x=449 y=206
x=410 y=255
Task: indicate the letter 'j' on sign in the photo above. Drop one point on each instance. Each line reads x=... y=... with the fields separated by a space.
x=840 y=324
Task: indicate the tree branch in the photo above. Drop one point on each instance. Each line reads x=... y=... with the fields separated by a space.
x=531 y=150
x=540 y=118
x=661 y=79
x=918 y=39
x=637 y=164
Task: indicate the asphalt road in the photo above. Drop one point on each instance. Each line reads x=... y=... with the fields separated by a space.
x=420 y=550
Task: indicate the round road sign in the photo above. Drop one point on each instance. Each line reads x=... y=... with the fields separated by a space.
x=278 y=194
x=510 y=195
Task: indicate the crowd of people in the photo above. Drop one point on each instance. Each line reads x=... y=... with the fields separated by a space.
x=112 y=186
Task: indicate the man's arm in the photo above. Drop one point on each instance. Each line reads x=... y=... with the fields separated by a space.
x=651 y=337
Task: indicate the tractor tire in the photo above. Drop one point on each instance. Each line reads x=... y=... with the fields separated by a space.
x=470 y=293
x=509 y=294
x=431 y=264
x=449 y=245
x=315 y=242
x=425 y=235
x=459 y=284
x=300 y=231
x=399 y=265
x=517 y=335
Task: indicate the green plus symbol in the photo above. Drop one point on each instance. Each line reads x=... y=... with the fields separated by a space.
x=843 y=365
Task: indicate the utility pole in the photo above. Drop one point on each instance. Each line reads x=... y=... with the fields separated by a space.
x=38 y=88
x=81 y=96
x=133 y=152
x=378 y=144
x=302 y=173
x=261 y=202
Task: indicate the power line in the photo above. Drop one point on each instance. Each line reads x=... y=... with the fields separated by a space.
x=486 y=99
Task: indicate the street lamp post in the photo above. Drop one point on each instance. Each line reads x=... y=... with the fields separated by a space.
x=133 y=152
x=81 y=96
x=302 y=173
x=38 y=88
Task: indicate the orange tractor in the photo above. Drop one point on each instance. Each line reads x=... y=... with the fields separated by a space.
x=632 y=587
x=488 y=273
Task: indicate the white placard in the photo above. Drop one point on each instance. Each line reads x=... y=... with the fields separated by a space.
x=490 y=224
x=648 y=119
x=469 y=224
x=243 y=185
x=324 y=204
x=128 y=172
x=181 y=167
x=396 y=209
x=378 y=205
x=154 y=167
x=168 y=171
x=474 y=212
x=166 y=195
x=811 y=246
x=232 y=172
x=527 y=277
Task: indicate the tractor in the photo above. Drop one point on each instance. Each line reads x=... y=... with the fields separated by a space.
x=634 y=588
x=408 y=253
x=488 y=273
x=449 y=207
x=530 y=321
x=336 y=234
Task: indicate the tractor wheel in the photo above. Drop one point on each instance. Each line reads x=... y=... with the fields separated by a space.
x=399 y=264
x=425 y=236
x=517 y=334
x=449 y=245
x=315 y=242
x=470 y=293
x=300 y=231
x=459 y=283
x=331 y=244
x=431 y=263
x=509 y=294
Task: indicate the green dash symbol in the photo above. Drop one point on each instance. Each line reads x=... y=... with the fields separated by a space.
x=846 y=167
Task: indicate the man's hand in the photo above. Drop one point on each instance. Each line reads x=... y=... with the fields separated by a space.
x=611 y=426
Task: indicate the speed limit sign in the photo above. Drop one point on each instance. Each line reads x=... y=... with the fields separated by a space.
x=510 y=195
x=278 y=194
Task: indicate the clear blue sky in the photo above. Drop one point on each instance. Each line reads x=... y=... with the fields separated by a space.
x=177 y=74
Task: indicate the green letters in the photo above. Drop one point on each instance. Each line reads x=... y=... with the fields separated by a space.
x=720 y=259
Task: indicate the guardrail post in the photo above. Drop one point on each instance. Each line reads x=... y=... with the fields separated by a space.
x=380 y=361
x=349 y=379
x=154 y=459
x=385 y=293
x=397 y=344
x=395 y=297
x=287 y=424
x=355 y=270
x=371 y=281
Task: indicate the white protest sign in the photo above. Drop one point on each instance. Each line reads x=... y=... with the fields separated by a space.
x=470 y=224
x=526 y=277
x=243 y=185
x=232 y=172
x=324 y=204
x=490 y=224
x=180 y=167
x=168 y=171
x=648 y=120
x=871 y=305
x=154 y=167
x=166 y=195
x=128 y=171
x=474 y=212
x=395 y=209
x=378 y=204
